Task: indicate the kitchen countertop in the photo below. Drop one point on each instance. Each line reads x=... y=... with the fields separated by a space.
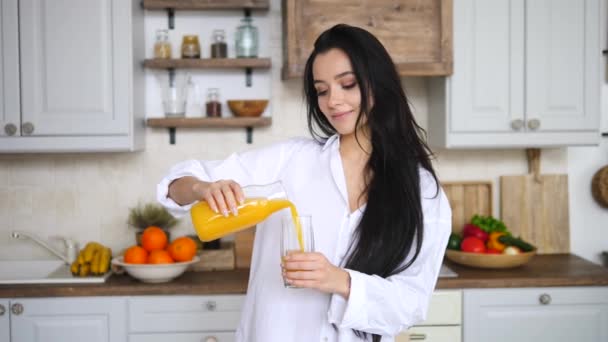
x=541 y=271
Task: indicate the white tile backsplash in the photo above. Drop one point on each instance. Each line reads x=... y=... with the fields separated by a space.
x=87 y=196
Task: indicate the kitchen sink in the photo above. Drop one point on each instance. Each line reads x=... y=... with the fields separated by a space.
x=41 y=272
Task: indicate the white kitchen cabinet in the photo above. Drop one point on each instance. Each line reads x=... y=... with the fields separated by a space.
x=536 y=314
x=443 y=321
x=73 y=65
x=187 y=318
x=73 y=319
x=5 y=323
x=526 y=74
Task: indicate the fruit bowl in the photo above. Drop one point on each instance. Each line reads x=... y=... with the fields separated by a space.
x=247 y=108
x=494 y=261
x=154 y=273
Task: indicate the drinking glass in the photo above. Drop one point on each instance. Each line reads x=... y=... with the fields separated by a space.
x=289 y=238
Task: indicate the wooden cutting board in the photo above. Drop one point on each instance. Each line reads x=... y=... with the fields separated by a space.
x=535 y=206
x=467 y=199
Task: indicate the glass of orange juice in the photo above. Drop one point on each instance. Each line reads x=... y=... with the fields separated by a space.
x=297 y=235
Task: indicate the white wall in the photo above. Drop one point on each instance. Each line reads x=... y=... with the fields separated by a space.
x=87 y=196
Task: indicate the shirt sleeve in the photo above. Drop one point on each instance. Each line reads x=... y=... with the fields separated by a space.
x=387 y=306
x=260 y=166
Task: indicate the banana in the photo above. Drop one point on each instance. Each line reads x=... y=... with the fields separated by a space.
x=95 y=261
x=104 y=260
x=89 y=250
x=75 y=267
x=84 y=270
x=81 y=258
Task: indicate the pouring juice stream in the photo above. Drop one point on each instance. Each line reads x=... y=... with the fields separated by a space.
x=211 y=226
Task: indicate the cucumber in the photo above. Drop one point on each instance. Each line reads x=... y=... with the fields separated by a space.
x=517 y=242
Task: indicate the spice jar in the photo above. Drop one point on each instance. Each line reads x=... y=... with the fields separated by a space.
x=162 y=47
x=219 y=49
x=213 y=106
x=246 y=39
x=190 y=47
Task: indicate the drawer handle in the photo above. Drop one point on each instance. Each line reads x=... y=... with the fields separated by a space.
x=417 y=337
x=17 y=309
x=211 y=305
x=2 y=310
x=544 y=299
x=210 y=339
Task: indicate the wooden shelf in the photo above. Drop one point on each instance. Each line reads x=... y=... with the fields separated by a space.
x=209 y=122
x=173 y=123
x=206 y=4
x=208 y=63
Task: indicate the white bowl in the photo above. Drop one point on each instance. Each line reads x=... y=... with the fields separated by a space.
x=154 y=273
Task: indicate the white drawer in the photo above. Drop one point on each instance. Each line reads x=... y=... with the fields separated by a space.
x=184 y=337
x=184 y=313
x=431 y=334
x=445 y=308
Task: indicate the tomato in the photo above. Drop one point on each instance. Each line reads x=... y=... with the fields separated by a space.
x=454 y=241
x=472 y=244
x=472 y=230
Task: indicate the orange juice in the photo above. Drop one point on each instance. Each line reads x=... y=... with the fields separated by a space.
x=210 y=225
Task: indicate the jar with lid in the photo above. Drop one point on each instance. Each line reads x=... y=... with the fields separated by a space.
x=190 y=47
x=246 y=40
x=162 y=47
x=219 y=49
x=213 y=105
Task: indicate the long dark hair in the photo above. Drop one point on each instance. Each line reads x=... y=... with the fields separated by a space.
x=393 y=217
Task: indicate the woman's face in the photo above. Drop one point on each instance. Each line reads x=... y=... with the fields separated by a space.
x=337 y=90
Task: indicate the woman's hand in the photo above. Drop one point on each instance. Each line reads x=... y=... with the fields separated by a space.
x=313 y=270
x=222 y=196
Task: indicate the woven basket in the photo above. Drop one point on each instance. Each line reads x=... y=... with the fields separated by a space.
x=599 y=186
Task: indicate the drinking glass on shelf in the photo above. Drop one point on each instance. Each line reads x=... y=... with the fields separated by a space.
x=297 y=235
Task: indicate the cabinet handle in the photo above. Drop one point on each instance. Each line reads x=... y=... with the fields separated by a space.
x=10 y=129
x=27 y=128
x=417 y=337
x=210 y=339
x=211 y=305
x=533 y=124
x=2 y=310
x=17 y=309
x=544 y=299
x=517 y=124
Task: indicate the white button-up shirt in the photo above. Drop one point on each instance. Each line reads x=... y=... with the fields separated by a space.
x=314 y=180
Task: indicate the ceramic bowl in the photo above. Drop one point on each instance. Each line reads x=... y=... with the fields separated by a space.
x=154 y=273
x=247 y=108
x=494 y=261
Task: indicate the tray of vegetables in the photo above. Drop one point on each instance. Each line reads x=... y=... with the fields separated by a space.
x=487 y=243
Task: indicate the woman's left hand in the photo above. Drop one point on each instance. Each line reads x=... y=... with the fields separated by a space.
x=313 y=270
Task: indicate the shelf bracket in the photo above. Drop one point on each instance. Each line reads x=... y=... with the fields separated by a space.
x=171 y=18
x=172 y=135
x=171 y=77
x=248 y=73
x=249 y=134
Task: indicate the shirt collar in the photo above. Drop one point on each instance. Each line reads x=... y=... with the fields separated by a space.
x=330 y=141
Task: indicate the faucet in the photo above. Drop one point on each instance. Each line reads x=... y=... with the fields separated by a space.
x=71 y=250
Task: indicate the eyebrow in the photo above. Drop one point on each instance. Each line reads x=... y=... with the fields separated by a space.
x=342 y=74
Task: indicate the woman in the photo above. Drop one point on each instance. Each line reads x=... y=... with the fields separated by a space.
x=381 y=221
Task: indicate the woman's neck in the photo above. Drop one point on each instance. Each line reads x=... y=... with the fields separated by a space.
x=355 y=147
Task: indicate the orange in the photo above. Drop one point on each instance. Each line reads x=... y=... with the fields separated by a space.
x=159 y=256
x=153 y=238
x=182 y=249
x=136 y=255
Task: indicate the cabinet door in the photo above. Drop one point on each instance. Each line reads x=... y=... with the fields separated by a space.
x=563 y=64
x=210 y=336
x=487 y=84
x=535 y=314
x=71 y=65
x=9 y=68
x=93 y=319
x=431 y=334
x=4 y=321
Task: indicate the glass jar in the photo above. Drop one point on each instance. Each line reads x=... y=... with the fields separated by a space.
x=213 y=105
x=162 y=47
x=219 y=49
x=246 y=40
x=190 y=47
